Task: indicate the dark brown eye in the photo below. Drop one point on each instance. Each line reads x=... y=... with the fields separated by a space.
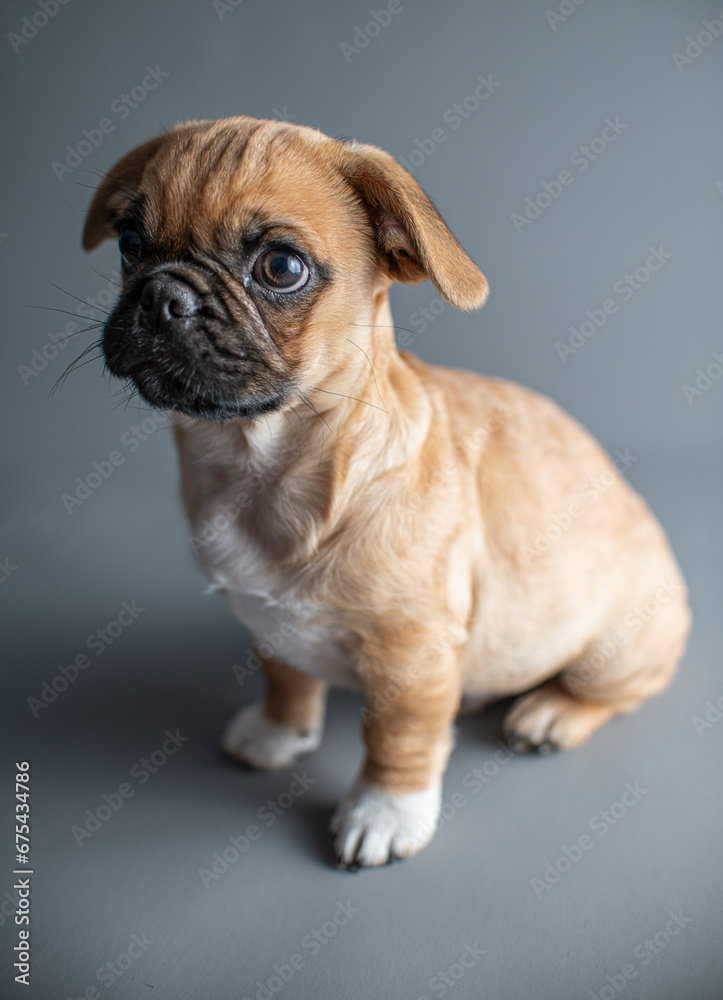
x=281 y=270
x=131 y=246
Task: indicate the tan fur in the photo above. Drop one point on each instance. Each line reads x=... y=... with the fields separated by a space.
x=401 y=502
x=293 y=699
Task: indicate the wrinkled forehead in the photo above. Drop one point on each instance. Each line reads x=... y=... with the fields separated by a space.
x=217 y=185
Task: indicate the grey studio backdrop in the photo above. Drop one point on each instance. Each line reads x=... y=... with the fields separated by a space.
x=575 y=151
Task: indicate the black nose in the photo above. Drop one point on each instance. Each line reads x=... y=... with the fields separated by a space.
x=167 y=302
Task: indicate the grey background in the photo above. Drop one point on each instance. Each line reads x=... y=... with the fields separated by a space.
x=659 y=184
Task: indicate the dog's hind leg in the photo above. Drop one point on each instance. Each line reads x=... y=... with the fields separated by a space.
x=614 y=674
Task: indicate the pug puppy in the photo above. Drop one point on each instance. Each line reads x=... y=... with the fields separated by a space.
x=405 y=530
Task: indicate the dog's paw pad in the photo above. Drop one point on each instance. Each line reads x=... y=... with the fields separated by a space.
x=251 y=738
x=373 y=827
x=550 y=719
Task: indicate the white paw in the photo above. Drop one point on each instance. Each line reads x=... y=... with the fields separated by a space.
x=372 y=827
x=253 y=739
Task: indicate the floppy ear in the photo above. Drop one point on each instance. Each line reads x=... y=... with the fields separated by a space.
x=412 y=239
x=118 y=188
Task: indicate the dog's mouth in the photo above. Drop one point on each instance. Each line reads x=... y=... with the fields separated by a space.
x=187 y=393
x=186 y=351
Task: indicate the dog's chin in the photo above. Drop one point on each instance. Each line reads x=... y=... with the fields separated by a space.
x=207 y=402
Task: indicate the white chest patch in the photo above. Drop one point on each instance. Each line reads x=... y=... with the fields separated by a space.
x=281 y=622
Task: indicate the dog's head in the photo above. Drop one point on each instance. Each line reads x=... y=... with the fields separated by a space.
x=248 y=247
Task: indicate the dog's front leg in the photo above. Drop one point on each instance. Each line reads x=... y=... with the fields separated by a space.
x=288 y=723
x=392 y=810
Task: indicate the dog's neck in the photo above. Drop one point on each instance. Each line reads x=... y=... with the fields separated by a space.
x=370 y=412
x=370 y=392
